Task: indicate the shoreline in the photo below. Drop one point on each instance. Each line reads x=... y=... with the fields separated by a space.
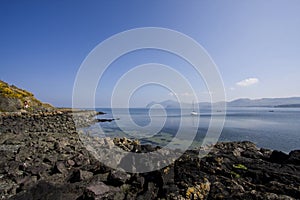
x=53 y=163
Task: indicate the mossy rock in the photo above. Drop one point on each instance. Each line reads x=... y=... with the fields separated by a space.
x=240 y=166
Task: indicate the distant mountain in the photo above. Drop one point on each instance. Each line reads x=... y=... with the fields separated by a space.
x=244 y=102
x=265 y=102
x=14 y=99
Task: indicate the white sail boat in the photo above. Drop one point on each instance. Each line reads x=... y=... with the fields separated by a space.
x=194 y=113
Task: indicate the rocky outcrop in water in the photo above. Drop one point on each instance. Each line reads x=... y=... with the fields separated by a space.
x=56 y=165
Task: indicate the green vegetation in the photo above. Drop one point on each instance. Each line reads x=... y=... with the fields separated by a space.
x=14 y=98
x=236 y=175
x=13 y=92
x=240 y=166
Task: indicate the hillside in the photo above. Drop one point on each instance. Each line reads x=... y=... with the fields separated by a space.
x=264 y=102
x=14 y=99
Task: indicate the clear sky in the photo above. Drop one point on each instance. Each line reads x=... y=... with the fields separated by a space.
x=254 y=43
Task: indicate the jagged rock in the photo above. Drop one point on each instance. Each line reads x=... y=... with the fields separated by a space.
x=101 y=190
x=61 y=168
x=294 y=157
x=81 y=160
x=80 y=175
x=118 y=178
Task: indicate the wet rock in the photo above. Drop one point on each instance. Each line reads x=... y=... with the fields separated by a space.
x=100 y=113
x=104 y=120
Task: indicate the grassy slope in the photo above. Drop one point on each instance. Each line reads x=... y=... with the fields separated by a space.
x=14 y=94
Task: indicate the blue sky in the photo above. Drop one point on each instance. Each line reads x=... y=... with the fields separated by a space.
x=255 y=44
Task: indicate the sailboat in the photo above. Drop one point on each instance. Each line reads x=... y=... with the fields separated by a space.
x=194 y=113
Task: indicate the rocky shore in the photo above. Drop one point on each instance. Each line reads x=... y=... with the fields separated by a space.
x=43 y=157
x=64 y=121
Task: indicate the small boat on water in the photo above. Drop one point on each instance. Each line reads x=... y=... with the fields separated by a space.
x=194 y=113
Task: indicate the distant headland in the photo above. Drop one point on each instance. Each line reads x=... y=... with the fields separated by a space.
x=242 y=102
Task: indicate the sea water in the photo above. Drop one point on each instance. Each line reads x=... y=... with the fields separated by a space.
x=274 y=128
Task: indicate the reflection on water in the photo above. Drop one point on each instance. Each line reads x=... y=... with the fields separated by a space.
x=275 y=130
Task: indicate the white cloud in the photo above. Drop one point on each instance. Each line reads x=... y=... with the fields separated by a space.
x=247 y=82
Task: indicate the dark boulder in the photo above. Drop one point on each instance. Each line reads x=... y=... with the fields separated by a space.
x=104 y=120
x=294 y=157
x=278 y=157
x=100 y=191
x=80 y=175
x=118 y=178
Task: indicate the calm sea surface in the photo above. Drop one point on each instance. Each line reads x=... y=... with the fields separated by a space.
x=275 y=128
